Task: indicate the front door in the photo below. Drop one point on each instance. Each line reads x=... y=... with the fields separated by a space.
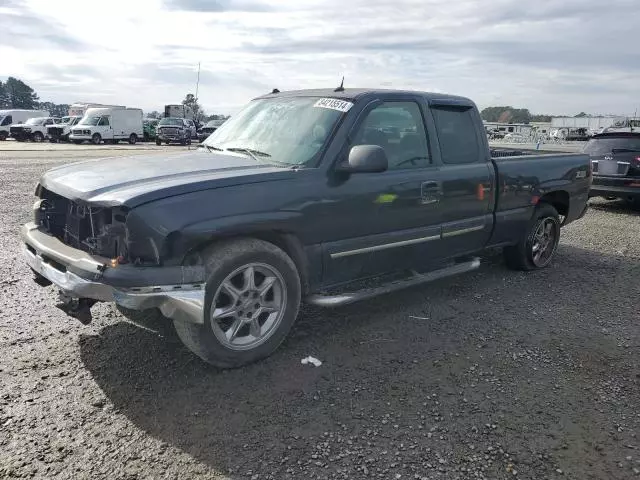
x=104 y=128
x=386 y=221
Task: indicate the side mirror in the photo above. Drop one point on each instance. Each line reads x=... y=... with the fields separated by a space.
x=365 y=159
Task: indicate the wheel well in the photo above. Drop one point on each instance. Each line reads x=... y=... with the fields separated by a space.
x=287 y=242
x=559 y=200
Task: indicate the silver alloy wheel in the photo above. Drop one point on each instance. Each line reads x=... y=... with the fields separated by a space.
x=544 y=242
x=248 y=306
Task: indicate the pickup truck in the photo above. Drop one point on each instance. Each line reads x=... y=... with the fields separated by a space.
x=60 y=132
x=298 y=197
x=33 y=129
x=615 y=159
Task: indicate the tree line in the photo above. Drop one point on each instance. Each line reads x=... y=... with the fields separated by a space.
x=509 y=114
x=15 y=94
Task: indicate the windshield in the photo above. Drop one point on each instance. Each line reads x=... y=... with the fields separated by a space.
x=171 y=121
x=602 y=146
x=65 y=119
x=35 y=121
x=288 y=130
x=92 y=120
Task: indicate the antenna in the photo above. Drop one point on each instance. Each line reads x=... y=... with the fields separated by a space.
x=341 y=87
x=275 y=90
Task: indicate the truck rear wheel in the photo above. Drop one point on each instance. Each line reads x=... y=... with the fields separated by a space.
x=251 y=302
x=96 y=139
x=158 y=142
x=540 y=242
x=3 y=136
x=133 y=138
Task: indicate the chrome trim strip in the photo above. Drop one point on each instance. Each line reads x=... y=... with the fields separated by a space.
x=462 y=231
x=384 y=246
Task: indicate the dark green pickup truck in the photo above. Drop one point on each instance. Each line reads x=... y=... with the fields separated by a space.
x=298 y=197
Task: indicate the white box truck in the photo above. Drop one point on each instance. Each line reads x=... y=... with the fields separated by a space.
x=109 y=125
x=78 y=109
x=15 y=117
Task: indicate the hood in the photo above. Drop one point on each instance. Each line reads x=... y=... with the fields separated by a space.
x=134 y=180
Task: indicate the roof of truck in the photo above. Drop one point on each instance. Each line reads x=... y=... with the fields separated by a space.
x=358 y=93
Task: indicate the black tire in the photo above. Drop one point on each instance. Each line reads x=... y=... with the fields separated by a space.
x=158 y=142
x=522 y=256
x=3 y=136
x=53 y=140
x=37 y=137
x=96 y=139
x=133 y=138
x=77 y=142
x=221 y=261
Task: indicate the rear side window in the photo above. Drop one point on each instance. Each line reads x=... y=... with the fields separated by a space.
x=457 y=134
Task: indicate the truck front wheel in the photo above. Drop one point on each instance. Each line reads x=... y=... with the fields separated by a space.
x=540 y=242
x=252 y=299
x=37 y=137
x=96 y=139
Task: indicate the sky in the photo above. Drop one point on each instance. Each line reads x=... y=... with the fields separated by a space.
x=550 y=56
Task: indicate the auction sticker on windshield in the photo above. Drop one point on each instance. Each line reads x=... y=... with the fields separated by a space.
x=334 y=104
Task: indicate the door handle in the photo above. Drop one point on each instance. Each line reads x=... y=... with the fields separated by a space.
x=430 y=193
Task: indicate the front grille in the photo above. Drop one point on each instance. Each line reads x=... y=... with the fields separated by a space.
x=96 y=230
x=16 y=129
x=54 y=131
x=170 y=131
x=81 y=132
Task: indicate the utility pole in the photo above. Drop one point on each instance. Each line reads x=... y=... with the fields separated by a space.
x=198 y=81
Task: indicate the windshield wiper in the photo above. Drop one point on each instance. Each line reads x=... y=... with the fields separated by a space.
x=212 y=148
x=249 y=151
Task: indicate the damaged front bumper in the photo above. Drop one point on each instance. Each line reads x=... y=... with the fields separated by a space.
x=84 y=279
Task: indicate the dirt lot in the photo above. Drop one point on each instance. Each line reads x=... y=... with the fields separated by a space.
x=491 y=375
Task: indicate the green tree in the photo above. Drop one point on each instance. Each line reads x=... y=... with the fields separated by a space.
x=582 y=115
x=155 y=114
x=506 y=115
x=4 y=96
x=540 y=118
x=55 y=109
x=20 y=94
x=191 y=101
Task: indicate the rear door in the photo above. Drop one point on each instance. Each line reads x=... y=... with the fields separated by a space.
x=465 y=177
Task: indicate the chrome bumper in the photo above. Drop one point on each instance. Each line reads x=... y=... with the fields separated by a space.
x=179 y=302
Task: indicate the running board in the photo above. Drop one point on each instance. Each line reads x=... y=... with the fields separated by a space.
x=416 y=279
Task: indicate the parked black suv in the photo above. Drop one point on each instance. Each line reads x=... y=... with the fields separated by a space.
x=615 y=160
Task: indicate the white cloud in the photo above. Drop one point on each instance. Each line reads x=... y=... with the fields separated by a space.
x=548 y=56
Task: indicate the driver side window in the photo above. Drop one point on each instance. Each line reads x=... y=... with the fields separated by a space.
x=7 y=120
x=398 y=128
x=104 y=122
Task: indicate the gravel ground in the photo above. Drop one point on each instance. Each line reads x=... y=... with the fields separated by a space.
x=495 y=374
